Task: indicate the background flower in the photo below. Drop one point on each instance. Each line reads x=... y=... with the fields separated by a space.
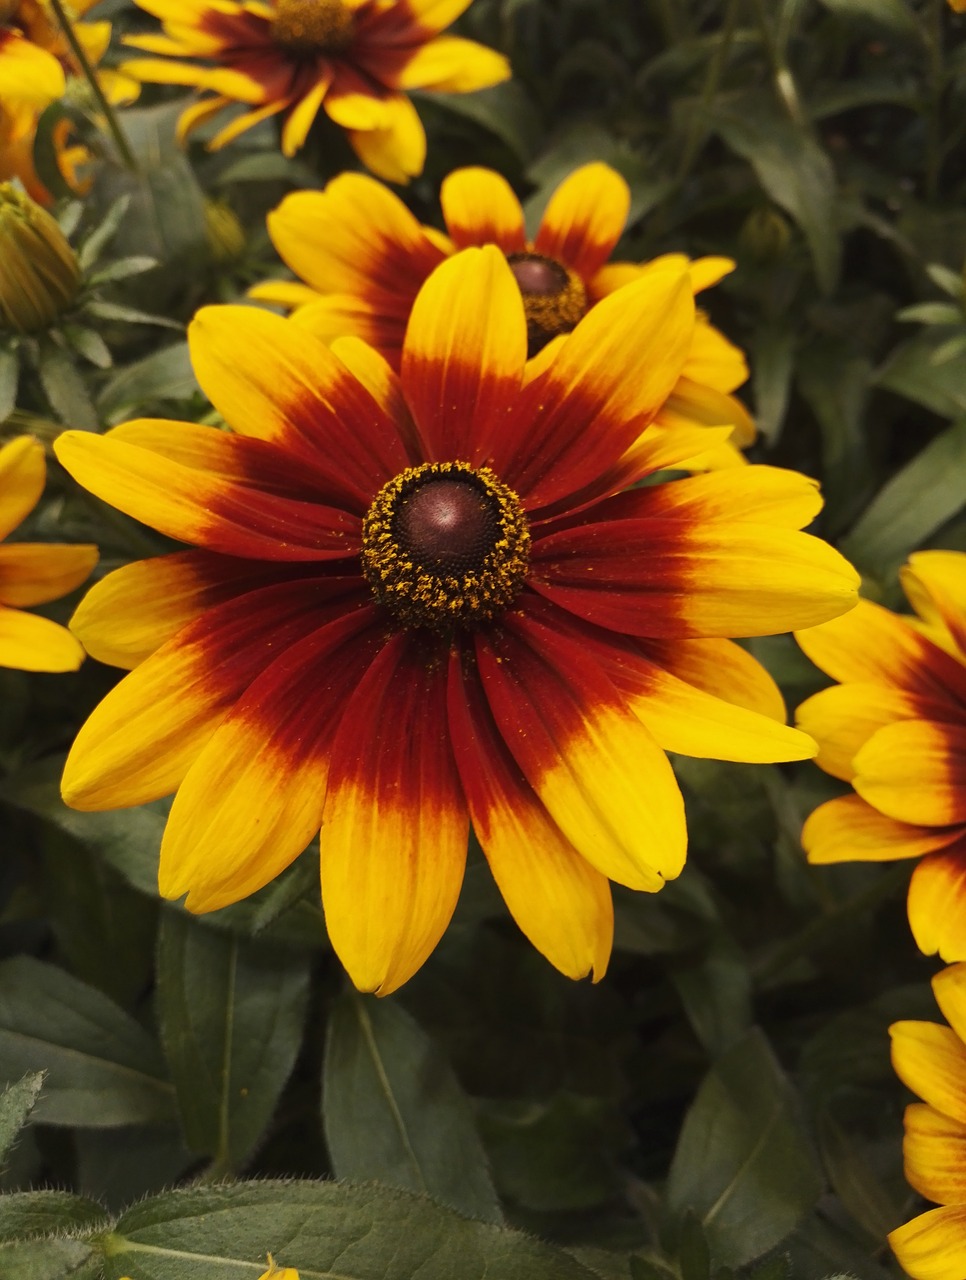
x=353 y=59
x=34 y=573
x=896 y=729
x=363 y=257
x=439 y=552
x=931 y=1060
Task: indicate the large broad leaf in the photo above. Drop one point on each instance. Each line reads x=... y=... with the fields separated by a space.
x=102 y=1067
x=394 y=1111
x=231 y=1014
x=327 y=1230
x=52 y=1259
x=16 y=1103
x=25 y=1215
x=916 y=370
x=743 y=1163
x=792 y=168
x=926 y=493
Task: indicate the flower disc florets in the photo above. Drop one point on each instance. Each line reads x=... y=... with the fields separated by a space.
x=445 y=544
x=554 y=298
x=312 y=26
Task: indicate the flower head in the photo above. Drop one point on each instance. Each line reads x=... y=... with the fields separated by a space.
x=353 y=59
x=931 y=1060
x=33 y=573
x=895 y=728
x=423 y=599
x=36 y=66
x=363 y=258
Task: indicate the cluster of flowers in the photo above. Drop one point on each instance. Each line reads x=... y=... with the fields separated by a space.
x=439 y=570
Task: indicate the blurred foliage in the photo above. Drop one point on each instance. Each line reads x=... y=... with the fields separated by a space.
x=722 y=1104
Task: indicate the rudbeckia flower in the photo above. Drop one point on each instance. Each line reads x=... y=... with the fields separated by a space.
x=33 y=573
x=895 y=728
x=35 y=63
x=363 y=258
x=931 y=1060
x=423 y=600
x=353 y=59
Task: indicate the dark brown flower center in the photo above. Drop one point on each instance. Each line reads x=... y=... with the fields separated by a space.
x=445 y=544
x=554 y=298
x=306 y=27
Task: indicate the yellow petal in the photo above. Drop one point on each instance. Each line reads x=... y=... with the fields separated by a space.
x=29 y=643
x=22 y=476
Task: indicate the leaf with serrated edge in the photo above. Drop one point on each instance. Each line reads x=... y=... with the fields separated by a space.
x=16 y=1103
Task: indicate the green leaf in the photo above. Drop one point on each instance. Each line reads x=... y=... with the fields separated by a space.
x=162 y=376
x=121 y=269
x=26 y=1214
x=65 y=388
x=505 y=109
x=16 y=1103
x=46 y=151
x=895 y=14
x=99 y=238
x=743 y=1162
x=9 y=377
x=394 y=1111
x=794 y=171
x=327 y=1230
x=102 y=1067
x=772 y=365
x=913 y=371
x=89 y=344
x=130 y=315
x=916 y=502
x=231 y=1014
x=932 y=313
x=51 y=1259
x=716 y=993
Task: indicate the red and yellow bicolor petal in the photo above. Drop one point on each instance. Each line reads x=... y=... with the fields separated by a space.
x=464 y=355
x=843 y=718
x=934 y=1154
x=848 y=829
x=133 y=611
x=480 y=207
x=561 y=903
x=931 y=1061
x=583 y=752
x=937 y=904
x=395 y=825
x=915 y=771
x=29 y=643
x=451 y=64
x=197 y=506
x=140 y=741
x=33 y=573
x=932 y=1246
x=339 y=315
x=356 y=238
x=666 y=577
x=608 y=380
x=584 y=219
x=22 y=476
x=295 y=393
x=935 y=584
x=721 y=668
x=253 y=798
x=872 y=645
x=30 y=77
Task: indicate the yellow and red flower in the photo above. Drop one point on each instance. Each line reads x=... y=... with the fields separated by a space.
x=895 y=728
x=425 y=599
x=35 y=63
x=931 y=1060
x=352 y=59
x=363 y=257
x=34 y=573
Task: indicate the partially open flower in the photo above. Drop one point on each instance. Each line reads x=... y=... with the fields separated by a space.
x=39 y=271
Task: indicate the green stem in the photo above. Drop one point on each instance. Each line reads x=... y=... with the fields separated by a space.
x=933 y=34
x=126 y=154
x=781 y=73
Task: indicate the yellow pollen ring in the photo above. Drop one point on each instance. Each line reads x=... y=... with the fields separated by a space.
x=312 y=26
x=556 y=306
x=426 y=595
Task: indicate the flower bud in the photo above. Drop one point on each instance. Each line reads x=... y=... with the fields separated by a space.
x=39 y=272
x=765 y=235
x=224 y=233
